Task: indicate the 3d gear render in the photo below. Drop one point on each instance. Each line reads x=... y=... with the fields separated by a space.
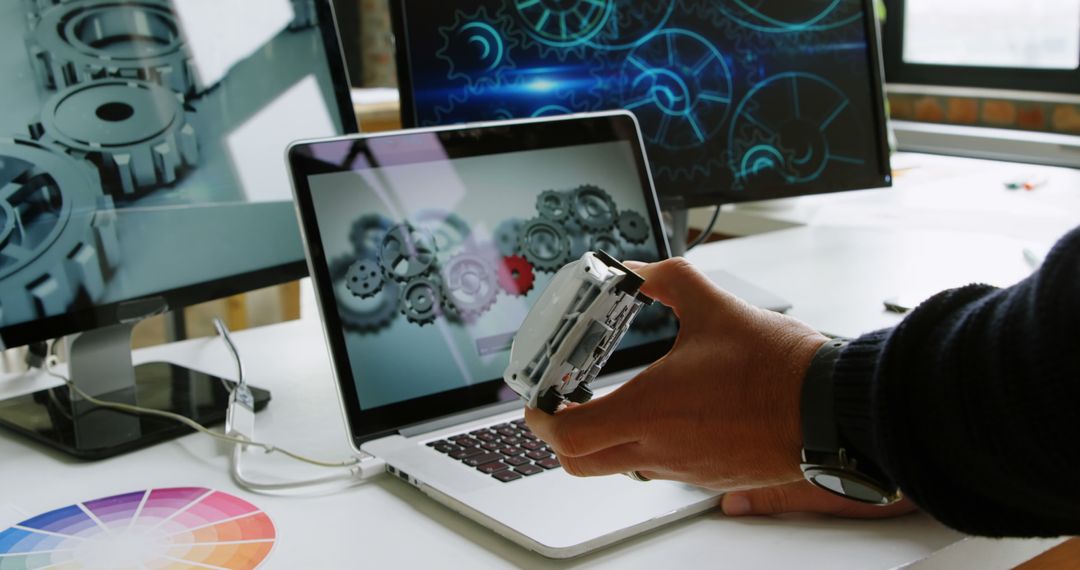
x=115 y=125
x=433 y=267
x=58 y=236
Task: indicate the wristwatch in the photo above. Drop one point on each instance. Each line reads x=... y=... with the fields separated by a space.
x=826 y=461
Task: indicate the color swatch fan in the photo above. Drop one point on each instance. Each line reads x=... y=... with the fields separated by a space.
x=159 y=529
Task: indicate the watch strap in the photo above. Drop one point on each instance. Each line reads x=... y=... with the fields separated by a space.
x=818 y=410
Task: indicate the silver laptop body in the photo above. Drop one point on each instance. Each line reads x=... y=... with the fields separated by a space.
x=381 y=365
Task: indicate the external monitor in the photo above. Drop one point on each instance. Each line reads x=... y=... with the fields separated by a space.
x=738 y=99
x=142 y=170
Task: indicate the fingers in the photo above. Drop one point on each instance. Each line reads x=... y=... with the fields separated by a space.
x=586 y=429
x=803 y=497
x=619 y=459
x=678 y=284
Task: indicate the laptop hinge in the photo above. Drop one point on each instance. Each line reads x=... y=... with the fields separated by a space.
x=494 y=409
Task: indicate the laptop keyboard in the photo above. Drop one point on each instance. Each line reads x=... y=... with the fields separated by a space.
x=507 y=452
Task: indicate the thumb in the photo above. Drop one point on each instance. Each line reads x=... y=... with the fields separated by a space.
x=803 y=497
x=677 y=283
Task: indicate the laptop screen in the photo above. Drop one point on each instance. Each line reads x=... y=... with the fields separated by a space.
x=430 y=247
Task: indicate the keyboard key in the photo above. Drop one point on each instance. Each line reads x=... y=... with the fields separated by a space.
x=444 y=447
x=532 y=445
x=550 y=463
x=506 y=476
x=490 y=468
x=538 y=454
x=491 y=445
x=481 y=459
x=510 y=450
x=530 y=436
x=503 y=426
x=529 y=469
x=519 y=423
x=517 y=460
x=433 y=443
x=466 y=441
x=487 y=436
x=507 y=432
x=512 y=440
x=466 y=452
x=479 y=432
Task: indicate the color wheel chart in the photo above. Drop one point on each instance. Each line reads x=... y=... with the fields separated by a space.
x=159 y=529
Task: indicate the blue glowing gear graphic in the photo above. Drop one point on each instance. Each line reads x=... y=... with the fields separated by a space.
x=679 y=86
x=559 y=28
x=477 y=48
x=781 y=16
x=631 y=23
x=799 y=138
x=563 y=23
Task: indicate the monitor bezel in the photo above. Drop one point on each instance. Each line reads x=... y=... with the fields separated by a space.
x=97 y=316
x=692 y=198
x=372 y=423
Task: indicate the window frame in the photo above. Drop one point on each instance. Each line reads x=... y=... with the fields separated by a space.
x=1011 y=78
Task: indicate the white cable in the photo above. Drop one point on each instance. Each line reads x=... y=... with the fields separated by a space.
x=358 y=470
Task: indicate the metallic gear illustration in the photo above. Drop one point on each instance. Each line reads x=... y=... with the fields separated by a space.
x=136 y=133
x=633 y=227
x=363 y=315
x=421 y=300
x=58 y=237
x=593 y=208
x=680 y=87
x=545 y=244
x=82 y=41
x=797 y=141
x=471 y=285
x=516 y=275
x=508 y=236
x=607 y=243
x=407 y=252
x=450 y=231
x=553 y=205
x=476 y=48
x=367 y=234
x=364 y=278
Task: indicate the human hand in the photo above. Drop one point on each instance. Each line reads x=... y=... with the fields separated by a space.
x=803 y=497
x=720 y=410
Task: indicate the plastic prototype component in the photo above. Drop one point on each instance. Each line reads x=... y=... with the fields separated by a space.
x=571 y=331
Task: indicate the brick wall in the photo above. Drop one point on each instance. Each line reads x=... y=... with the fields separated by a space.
x=1063 y=118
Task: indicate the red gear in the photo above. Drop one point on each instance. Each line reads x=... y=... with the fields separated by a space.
x=516 y=275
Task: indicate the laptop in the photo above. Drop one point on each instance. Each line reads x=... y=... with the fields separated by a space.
x=426 y=249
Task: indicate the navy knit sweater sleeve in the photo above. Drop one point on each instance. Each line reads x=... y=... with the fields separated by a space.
x=972 y=404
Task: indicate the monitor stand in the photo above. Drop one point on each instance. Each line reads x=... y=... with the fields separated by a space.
x=100 y=364
x=680 y=230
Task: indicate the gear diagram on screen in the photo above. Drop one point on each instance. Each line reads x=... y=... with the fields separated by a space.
x=434 y=267
x=137 y=133
x=632 y=22
x=795 y=145
x=780 y=16
x=82 y=41
x=563 y=24
x=476 y=48
x=679 y=86
x=57 y=232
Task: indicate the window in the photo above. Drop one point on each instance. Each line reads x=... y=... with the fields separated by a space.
x=1005 y=44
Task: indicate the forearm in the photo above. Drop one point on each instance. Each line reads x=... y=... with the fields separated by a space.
x=969 y=404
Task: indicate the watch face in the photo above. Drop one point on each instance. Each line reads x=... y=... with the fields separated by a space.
x=850 y=487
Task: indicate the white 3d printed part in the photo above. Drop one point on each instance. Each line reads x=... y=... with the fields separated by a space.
x=572 y=329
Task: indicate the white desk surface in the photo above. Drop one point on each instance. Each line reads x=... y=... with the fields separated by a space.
x=836 y=271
